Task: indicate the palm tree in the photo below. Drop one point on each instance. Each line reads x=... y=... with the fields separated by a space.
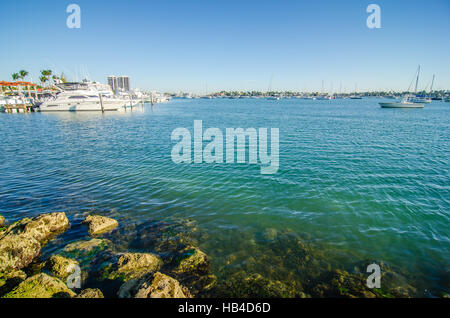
x=43 y=79
x=23 y=74
x=15 y=76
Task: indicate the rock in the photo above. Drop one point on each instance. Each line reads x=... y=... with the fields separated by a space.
x=131 y=266
x=17 y=251
x=100 y=224
x=46 y=226
x=90 y=293
x=243 y=285
x=41 y=286
x=270 y=234
x=137 y=264
x=339 y=283
x=86 y=252
x=60 y=266
x=10 y=279
x=154 y=286
x=22 y=240
x=192 y=260
x=2 y=221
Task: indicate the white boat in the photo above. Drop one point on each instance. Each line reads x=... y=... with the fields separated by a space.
x=82 y=96
x=406 y=102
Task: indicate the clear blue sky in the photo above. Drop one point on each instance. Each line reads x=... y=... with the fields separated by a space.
x=185 y=45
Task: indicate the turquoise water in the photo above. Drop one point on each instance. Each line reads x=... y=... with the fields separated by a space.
x=355 y=181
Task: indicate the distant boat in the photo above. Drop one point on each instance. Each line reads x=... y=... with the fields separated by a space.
x=355 y=97
x=447 y=100
x=405 y=102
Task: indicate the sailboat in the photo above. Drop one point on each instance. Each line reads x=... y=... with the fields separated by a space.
x=405 y=102
x=424 y=99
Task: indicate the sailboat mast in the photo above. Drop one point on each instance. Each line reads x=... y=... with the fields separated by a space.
x=417 y=80
x=432 y=82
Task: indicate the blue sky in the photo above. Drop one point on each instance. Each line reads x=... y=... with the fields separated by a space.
x=196 y=45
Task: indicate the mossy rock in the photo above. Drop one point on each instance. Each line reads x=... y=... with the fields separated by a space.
x=60 y=266
x=17 y=251
x=90 y=293
x=339 y=283
x=157 y=285
x=41 y=286
x=85 y=252
x=21 y=242
x=243 y=285
x=2 y=221
x=10 y=279
x=130 y=266
x=192 y=260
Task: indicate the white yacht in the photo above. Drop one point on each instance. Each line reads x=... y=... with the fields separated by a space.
x=84 y=96
x=405 y=103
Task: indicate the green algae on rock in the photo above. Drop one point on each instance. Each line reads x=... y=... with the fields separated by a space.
x=98 y=224
x=10 y=279
x=131 y=266
x=2 y=221
x=60 y=266
x=90 y=293
x=41 y=286
x=243 y=285
x=86 y=251
x=192 y=260
x=339 y=283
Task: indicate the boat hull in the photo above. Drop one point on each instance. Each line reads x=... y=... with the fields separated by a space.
x=76 y=107
x=402 y=105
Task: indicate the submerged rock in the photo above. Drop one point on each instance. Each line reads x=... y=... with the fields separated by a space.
x=131 y=266
x=41 y=286
x=136 y=264
x=243 y=285
x=60 y=266
x=153 y=286
x=90 y=293
x=100 y=224
x=192 y=260
x=86 y=250
x=339 y=283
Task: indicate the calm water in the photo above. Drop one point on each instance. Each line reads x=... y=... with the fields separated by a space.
x=355 y=181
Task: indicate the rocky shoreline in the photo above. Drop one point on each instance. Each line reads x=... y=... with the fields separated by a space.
x=171 y=267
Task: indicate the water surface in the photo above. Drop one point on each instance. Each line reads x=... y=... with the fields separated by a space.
x=355 y=181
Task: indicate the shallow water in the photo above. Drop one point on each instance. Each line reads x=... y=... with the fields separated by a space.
x=355 y=181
